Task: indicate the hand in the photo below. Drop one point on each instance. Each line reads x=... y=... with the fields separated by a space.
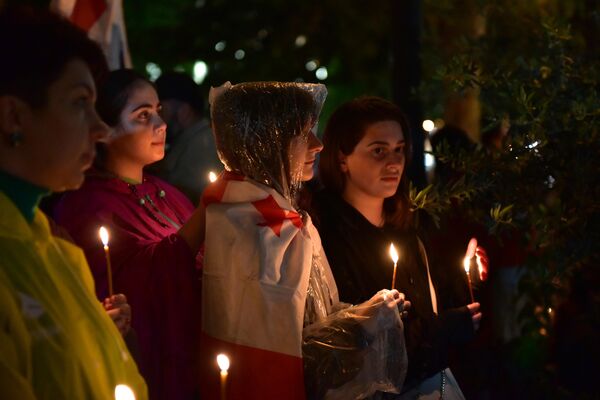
x=475 y=314
x=119 y=311
x=482 y=262
x=473 y=250
x=393 y=298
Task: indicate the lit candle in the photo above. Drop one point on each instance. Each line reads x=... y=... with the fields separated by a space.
x=467 y=265
x=212 y=176
x=471 y=248
x=394 y=257
x=223 y=362
x=104 y=238
x=124 y=392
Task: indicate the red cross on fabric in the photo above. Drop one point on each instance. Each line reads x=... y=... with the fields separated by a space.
x=87 y=12
x=274 y=215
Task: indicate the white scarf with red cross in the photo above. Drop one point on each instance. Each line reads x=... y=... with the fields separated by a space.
x=257 y=264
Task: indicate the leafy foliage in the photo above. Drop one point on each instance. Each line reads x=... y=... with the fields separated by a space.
x=352 y=40
x=545 y=180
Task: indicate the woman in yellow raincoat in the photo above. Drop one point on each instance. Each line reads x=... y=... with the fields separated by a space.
x=56 y=340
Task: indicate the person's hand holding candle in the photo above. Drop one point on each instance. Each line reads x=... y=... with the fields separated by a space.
x=119 y=311
x=474 y=309
x=474 y=250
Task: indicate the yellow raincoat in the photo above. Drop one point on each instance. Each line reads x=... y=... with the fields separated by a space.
x=56 y=340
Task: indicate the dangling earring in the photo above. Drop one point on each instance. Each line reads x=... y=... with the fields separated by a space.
x=15 y=139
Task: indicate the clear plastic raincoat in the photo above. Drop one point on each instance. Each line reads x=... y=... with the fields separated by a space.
x=269 y=299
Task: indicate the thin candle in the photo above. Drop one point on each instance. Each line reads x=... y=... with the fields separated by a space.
x=467 y=265
x=212 y=176
x=394 y=257
x=471 y=250
x=223 y=363
x=104 y=238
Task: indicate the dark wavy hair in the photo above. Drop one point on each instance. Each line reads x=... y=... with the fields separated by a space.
x=345 y=128
x=113 y=92
x=36 y=45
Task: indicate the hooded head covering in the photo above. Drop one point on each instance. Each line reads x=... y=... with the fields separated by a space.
x=254 y=124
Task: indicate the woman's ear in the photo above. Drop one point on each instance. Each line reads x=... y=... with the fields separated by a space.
x=111 y=136
x=342 y=159
x=11 y=114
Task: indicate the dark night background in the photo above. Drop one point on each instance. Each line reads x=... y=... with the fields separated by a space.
x=472 y=65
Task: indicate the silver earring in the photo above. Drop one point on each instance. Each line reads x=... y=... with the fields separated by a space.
x=15 y=139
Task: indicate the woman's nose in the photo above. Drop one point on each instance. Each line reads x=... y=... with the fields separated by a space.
x=395 y=160
x=99 y=131
x=160 y=124
x=314 y=144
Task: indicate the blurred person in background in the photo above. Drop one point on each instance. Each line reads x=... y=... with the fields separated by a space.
x=191 y=152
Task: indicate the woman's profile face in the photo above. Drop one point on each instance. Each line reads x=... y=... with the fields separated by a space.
x=303 y=154
x=375 y=166
x=59 y=138
x=141 y=132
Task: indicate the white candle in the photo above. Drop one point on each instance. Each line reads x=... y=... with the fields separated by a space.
x=104 y=238
x=394 y=257
x=223 y=363
x=212 y=176
x=467 y=265
x=471 y=249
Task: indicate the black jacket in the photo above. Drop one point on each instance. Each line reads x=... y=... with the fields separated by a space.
x=358 y=254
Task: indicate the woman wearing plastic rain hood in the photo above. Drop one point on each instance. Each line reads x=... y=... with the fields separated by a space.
x=269 y=299
x=56 y=340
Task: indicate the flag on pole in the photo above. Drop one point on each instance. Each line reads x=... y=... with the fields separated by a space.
x=103 y=21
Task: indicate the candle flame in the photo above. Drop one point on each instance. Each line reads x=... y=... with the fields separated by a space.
x=223 y=362
x=471 y=249
x=103 y=235
x=467 y=264
x=393 y=253
x=124 y=392
x=212 y=176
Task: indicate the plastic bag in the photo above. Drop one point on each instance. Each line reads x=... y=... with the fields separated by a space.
x=355 y=352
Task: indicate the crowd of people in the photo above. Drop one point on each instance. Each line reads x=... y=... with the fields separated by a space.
x=291 y=281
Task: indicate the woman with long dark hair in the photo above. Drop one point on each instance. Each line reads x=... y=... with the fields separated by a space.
x=155 y=235
x=363 y=208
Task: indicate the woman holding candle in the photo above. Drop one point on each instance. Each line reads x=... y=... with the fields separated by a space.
x=56 y=340
x=155 y=235
x=269 y=300
x=363 y=208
